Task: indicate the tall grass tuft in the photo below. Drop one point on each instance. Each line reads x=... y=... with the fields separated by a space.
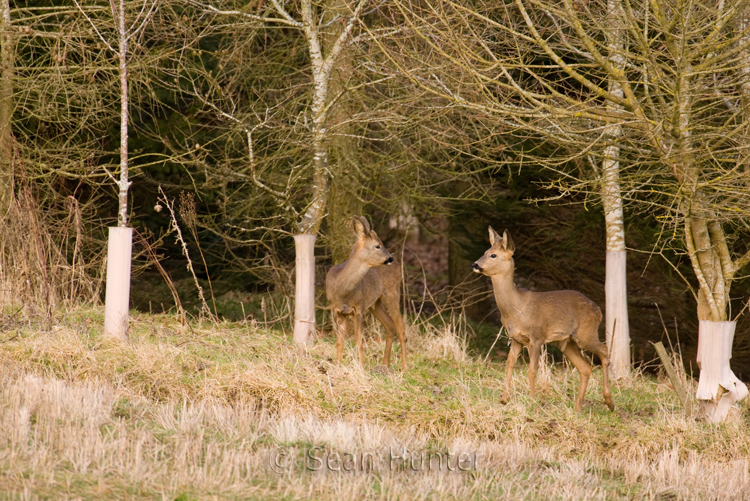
x=47 y=258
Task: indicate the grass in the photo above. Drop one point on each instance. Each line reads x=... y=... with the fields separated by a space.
x=237 y=412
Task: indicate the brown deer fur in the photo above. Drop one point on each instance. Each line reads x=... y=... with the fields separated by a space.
x=533 y=319
x=367 y=280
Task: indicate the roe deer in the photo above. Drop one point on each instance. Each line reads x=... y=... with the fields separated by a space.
x=532 y=319
x=367 y=280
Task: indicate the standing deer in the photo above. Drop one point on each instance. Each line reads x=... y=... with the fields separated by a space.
x=532 y=319
x=367 y=280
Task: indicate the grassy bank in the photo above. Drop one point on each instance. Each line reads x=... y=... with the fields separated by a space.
x=236 y=412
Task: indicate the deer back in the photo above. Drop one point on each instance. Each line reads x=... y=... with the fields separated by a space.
x=552 y=316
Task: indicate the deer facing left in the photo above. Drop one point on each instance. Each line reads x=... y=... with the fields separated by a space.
x=366 y=281
x=533 y=319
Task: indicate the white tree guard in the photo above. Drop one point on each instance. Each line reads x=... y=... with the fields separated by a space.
x=714 y=351
x=304 y=289
x=616 y=310
x=117 y=299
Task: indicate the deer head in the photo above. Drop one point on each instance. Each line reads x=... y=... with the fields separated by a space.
x=498 y=259
x=368 y=247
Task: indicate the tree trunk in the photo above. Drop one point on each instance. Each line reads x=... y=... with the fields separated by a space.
x=704 y=236
x=615 y=285
x=304 y=325
x=705 y=241
x=304 y=241
x=309 y=224
x=7 y=54
x=618 y=333
x=122 y=218
x=119 y=250
x=615 y=288
x=718 y=388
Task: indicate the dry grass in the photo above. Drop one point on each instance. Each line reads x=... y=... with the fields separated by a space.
x=47 y=260
x=206 y=413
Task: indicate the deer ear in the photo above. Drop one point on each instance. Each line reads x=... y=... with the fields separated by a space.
x=508 y=242
x=359 y=228
x=365 y=223
x=494 y=237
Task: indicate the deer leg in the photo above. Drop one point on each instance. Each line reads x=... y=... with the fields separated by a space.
x=601 y=350
x=384 y=318
x=358 y=334
x=401 y=331
x=515 y=350
x=580 y=363
x=535 y=351
x=391 y=303
x=339 y=325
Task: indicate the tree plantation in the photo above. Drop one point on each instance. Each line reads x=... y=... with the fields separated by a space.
x=221 y=217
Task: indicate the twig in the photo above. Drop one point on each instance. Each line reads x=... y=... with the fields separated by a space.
x=493 y=343
x=170 y=284
x=188 y=214
x=747 y=304
x=170 y=206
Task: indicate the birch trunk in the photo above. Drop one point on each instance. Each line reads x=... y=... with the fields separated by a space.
x=7 y=53
x=309 y=224
x=119 y=249
x=704 y=237
x=304 y=289
x=122 y=218
x=615 y=286
x=718 y=388
x=304 y=241
x=304 y=322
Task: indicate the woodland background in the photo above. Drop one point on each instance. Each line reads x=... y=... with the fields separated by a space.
x=220 y=125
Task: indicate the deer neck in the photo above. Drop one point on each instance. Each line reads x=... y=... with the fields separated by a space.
x=351 y=275
x=507 y=295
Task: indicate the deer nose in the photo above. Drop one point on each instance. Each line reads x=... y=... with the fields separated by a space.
x=476 y=267
x=389 y=260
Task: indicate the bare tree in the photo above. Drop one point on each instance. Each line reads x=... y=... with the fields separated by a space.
x=615 y=287
x=120 y=238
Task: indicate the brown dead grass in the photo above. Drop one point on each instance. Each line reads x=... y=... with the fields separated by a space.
x=199 y=413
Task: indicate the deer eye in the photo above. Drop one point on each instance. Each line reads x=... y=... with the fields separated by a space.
x=377 y=247
x=493 y=256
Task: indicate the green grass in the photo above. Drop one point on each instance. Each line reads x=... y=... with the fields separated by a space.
x=198 y=411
